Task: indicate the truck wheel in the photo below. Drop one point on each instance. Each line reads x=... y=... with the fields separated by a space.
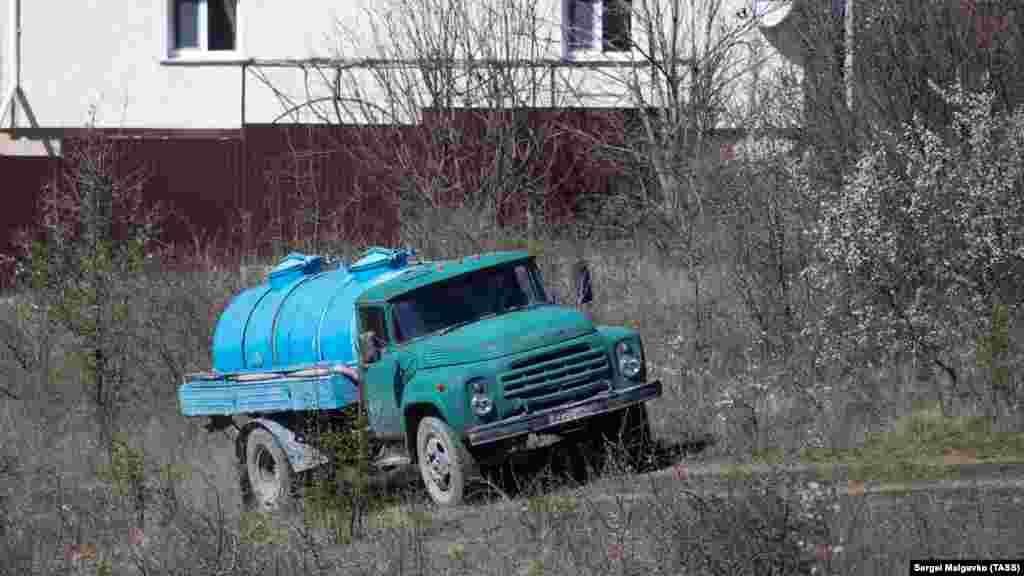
x=444 y=462
x=269 y=472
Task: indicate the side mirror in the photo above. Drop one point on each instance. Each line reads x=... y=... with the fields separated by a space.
x=369 y=352
x=582 y=282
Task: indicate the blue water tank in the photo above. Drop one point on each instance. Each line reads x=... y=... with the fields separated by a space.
x=301 y=315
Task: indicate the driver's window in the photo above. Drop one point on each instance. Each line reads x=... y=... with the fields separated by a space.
x=407 y=321
x=372 y=320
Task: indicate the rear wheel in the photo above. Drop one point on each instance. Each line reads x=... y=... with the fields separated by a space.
x=445 y=464
x=268 y=472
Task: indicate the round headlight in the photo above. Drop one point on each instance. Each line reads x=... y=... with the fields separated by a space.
x=482 y=405
x=480 y=402
x=630 y=363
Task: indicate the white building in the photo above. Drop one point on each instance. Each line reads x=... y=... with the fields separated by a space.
x=209 y=64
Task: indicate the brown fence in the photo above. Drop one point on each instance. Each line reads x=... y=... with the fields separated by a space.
x=21 y=178
x=248 y=189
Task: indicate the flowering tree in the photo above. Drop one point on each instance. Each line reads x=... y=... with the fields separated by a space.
x=923 y=242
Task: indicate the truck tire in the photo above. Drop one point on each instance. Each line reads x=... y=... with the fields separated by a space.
x=268 y=472
x=445 y=464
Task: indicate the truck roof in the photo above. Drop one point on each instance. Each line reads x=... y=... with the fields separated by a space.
x=425 y=273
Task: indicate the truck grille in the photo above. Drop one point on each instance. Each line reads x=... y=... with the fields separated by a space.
x=563 y=375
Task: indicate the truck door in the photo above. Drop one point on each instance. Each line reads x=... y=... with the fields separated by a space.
x=382 y=379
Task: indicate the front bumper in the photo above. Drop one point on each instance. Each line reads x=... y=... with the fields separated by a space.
x=556 y=417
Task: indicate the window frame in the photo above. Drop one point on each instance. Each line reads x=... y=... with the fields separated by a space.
x=172 y=54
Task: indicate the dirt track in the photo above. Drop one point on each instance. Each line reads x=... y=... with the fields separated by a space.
x=879 y=527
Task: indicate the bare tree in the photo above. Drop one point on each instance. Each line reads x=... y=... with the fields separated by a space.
x=688 y=83
x=458 y=113
x=691 y=57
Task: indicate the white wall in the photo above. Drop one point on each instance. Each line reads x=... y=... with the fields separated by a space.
x=289 y=29
x=109 y=56
x=80 y=55
x=4 y=45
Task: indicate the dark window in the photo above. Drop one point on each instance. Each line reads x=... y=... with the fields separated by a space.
x=221 y=18
x=617 y=25
x=396 y=326
x=610 y=33
x=372 y=320
x=205 y=24
x=466 y=299
x=186 y=24
x=581 y=33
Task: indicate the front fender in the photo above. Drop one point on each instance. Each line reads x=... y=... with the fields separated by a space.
x=445 y=393
x=300 y=455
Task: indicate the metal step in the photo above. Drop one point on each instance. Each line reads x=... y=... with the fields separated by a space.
x=391 y=457
x=393 y=462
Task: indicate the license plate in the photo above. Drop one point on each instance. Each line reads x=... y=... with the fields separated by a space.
x=572 y=414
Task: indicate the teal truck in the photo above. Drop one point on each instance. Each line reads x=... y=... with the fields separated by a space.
x=454 y=363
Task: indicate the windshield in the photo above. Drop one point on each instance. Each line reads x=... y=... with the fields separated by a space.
x=466 y=299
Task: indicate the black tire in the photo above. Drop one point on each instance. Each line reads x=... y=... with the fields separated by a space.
x=624 y=436
x=445 y=464
x=269 y=475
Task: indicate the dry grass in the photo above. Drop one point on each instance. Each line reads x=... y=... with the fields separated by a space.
x=58 y=516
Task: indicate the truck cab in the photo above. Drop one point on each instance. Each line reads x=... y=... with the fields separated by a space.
x=471 y=356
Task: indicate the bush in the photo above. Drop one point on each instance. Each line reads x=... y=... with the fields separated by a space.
x=922 y=246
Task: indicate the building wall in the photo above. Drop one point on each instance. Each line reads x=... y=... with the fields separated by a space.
x=107 y=58
x=899 y=51
x=105 y=61
x=102 y=58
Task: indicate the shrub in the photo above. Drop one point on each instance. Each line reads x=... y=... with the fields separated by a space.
x=924 y=238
